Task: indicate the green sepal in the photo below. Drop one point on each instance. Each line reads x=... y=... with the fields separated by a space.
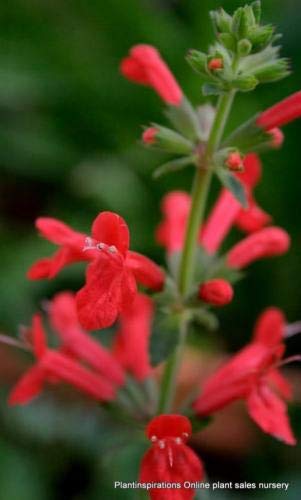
x=184 y=119
x=245 y=83
x=221 y=20
x=273 y=71
x=228 y=41
x=248 y=137
x=233 y=184
x=174 y=166
x=168 y=140
x=198 y=61
x=256 y=6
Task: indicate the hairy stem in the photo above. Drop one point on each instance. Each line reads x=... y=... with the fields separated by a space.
x=200 y=191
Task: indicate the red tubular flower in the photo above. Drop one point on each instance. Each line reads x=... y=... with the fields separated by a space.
x=281 y=113
x=53 y=367
x=145 y=66
x=253 y=375
x=149 y=135
x=170 y=459
x=217 y=292
x=132 y=339
x=75 y=341
x=171 y=231
x=268 y=242
x=112 y=274
x=228 y=211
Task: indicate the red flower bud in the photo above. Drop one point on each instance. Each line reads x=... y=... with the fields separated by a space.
x=281 y=113
x=149 y=135
x=217 y=292
x=268 y=242
x=216 y=63
x=145 y=66
x=277 y=137
x=235 y=162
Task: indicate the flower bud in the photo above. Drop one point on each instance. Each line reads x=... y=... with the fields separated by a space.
x=217 y=292
x=228 y=41
x=149 y=135
x=277 y=137
x=215 y=64
x=167 y=140
x=272 y=71
x=222 y=21
x=245 y=83
x=198 y=61
x=234 y=162
x=244 y=47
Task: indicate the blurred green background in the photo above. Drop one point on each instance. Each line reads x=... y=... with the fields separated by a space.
x=69 y=148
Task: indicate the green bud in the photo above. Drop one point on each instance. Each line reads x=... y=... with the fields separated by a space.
x=222 y=20
x=245 y=83
x=261 y=36
x=237 y=22
x=228 y=41
x=273 y=71
x=244 y=47
x=256 y=6
x=198 y=61
x=168 y=140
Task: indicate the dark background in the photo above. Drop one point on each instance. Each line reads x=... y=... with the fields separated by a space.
x=69 y=131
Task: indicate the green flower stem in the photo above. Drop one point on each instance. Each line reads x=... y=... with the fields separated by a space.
x=200 y=190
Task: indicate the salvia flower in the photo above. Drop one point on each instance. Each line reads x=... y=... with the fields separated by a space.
x=145 y=66
x=113 y=271
x=170 y=459
x=53 y=367
x=217 y=292
x=76 y=342
x=268 y=242
x=131 y=347
x=253 y=375
x=281 y=113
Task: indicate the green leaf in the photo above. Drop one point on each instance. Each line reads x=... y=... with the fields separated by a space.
x=165 y=335
x=233 y=184
x=173 y=166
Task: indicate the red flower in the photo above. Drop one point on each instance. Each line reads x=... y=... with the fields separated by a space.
x=132 y=338
x=281 y=113
x=170 y=459
x=217 y=292
x=77 y=343
x=253 y=375
x=171 y=231
x=228 y=211
x=53 y=367
x=149 y=135
x=145 y=66
x=268 y=242
x=112 y=274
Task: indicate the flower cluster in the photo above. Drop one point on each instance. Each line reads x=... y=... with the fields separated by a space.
x=200 y=271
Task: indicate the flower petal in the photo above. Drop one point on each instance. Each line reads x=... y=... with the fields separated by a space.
x=111 y=229
x=269 y=328
x=146 y=272
x=282 y=386
x=100 y=300
x=28 y=387
x=59 y=233
x=170 y=233
x=63 y=318
x=131 y=346
x=270 y=414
